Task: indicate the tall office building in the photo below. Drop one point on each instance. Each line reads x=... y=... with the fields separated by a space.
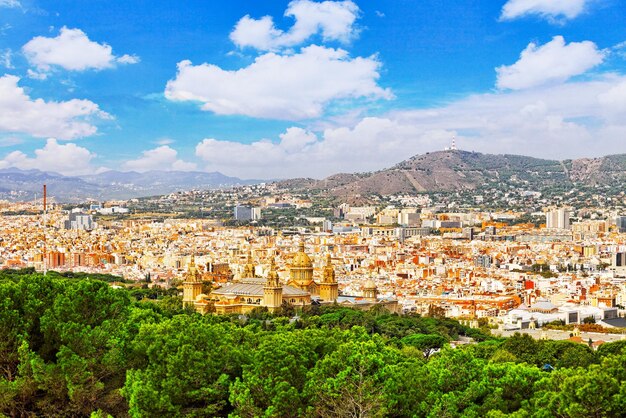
x=247 y=213
x=78 y=220
x=558 y=219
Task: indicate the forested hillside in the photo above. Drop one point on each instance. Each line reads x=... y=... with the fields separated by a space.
x=77 y=347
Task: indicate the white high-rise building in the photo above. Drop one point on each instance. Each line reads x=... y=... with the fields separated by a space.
x=247 y=213
x=558 y=219
x=78 y=220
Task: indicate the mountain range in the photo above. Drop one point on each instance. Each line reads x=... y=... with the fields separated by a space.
x=435 y=171
x=18 y=184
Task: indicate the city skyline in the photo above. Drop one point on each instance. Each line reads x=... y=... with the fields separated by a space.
x=305 y=88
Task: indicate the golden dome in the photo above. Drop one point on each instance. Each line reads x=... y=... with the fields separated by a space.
x=370 y=285
x=301 y=259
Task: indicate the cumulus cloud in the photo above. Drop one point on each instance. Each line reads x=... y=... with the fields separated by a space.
x=334 y=20
x=68 y=159
x=552 y=10
x=555 y=61
x=276 y=86
x=72 y=50
x=561 y=121
x=64 y=120
x=160 y=158
x=370 y=145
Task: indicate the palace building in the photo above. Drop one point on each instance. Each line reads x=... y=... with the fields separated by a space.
x=249 y=292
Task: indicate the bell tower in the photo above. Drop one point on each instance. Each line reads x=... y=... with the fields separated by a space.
x=329 y=288
x=192 y=286
x=272 y=291
x=248 y=270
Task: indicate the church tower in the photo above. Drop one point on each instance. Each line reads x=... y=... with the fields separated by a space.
x=370 y=291
x=248 y=270
x=273 y=290
x=192 y=286
x=329 y=288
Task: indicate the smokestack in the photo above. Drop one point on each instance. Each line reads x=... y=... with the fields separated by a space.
x=45 y=210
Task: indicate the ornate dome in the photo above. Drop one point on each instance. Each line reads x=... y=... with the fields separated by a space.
x=370 y=285
x=301 y=259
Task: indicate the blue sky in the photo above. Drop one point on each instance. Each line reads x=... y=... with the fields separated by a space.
x=269 y=89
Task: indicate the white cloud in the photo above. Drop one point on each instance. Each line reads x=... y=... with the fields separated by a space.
x=372 y=144
x=552 y=10
x=68 y=159
x=10 y=141
x=620 y=49
x=164 y=141
x=577 y=119
x=333 y=19
x=5 y=58
x=276 y=86
x=613 y=102
x=160 y=158
x=549 y=63
x=11 y=4
x=36 y=117
x=128 y=59
x=72 y=50
x=36 y=75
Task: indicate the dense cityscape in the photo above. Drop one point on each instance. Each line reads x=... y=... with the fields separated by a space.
x=514 y=269
x=313 y=208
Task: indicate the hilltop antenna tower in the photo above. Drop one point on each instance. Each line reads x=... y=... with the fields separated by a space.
x=453 y=147
x=45 y=213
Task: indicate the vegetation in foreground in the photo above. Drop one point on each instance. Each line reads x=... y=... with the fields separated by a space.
x=77 y=347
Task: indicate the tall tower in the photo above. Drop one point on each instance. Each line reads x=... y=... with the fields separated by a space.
x=329 y=288
x=272 y=291
x=192 y=286
x=248 y=270
x=45 y=220
x=453 y=148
